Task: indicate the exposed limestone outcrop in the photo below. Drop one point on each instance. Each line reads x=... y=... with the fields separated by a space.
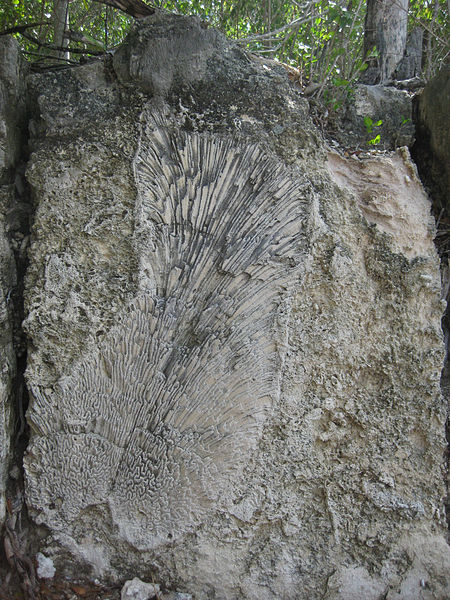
x=374 y=116
x=7 y=354
x=234 y=336
x=432 y=154
x=433 y=146
x=12 y=123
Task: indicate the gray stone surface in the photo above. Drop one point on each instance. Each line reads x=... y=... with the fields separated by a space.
x=135 y=589
x=235 y=342
x=433 y=146
x=45 y=568
x=7 y=354
x=432 y=153
x=391 y=106
x=411 y=64
x=12 y=110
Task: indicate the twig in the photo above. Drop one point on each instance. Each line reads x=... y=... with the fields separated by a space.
x=135 y=8
x=292 y=25
x=44 y=58
x=439 y=218
x=75 y=36
x=61 y=48
x=21 y=28
x=422 y=23
x=267 y=50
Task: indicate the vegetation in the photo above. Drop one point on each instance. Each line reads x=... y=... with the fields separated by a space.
x=323 y=39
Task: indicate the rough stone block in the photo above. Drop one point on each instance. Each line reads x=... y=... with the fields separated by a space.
x=12 y=123
x=235 y=343
x=390 y=107
x=7 y=353
x=433 y=146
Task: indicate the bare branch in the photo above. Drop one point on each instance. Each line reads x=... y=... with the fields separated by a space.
x=136 y=8
x=61 y=48
x=45 y=58
x=425 y=25
x=82 y=38
x=22 y=28
x=264 y=36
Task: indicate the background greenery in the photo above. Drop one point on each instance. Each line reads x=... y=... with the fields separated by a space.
x=323 y=39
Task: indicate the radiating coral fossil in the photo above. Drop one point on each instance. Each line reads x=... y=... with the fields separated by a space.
x=161 y=419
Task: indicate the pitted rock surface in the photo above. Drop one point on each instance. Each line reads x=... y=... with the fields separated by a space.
x=13 y=215
x=235 y=350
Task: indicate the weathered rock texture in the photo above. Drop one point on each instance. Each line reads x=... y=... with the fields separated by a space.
x=411 y=64
x=7 y=357
x=234 y=338
x=12 y=118
x=390 y=107
x=432 y=154
x=433 y=145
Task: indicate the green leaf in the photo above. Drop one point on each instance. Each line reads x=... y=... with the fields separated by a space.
x=375 y=140
x=369 y=124
x=339 y=81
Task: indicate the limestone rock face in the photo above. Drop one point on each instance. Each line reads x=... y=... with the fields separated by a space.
x=432 y=154
x=12 y=110
x=235 y=341
x=7 y=354
x=433 y=146
x=391 y=108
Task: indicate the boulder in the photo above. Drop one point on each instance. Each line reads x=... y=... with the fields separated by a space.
x=234 y=336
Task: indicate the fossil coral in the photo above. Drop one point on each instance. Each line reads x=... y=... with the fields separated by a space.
x=166 y=412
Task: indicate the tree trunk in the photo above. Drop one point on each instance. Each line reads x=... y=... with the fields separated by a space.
x=60 y=25
x=411 y=63
x=385 y=30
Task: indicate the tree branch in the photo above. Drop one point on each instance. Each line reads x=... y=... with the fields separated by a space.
x=61 y=48
x=271 y=34
x=82 y=38
x=21 y=28
x=136 y=8
x=43 y=58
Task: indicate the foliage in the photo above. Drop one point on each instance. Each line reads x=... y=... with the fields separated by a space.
x=98 y=25
x=433 y=16
x=370 y=126
x=322 y=38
